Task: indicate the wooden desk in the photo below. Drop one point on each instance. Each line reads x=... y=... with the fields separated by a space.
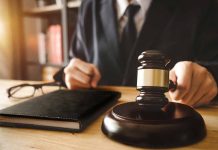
x=92 y=138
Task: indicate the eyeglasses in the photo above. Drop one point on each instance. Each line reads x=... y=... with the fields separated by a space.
x=23 y=91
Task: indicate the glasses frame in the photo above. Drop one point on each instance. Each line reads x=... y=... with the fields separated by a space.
x=35 y=86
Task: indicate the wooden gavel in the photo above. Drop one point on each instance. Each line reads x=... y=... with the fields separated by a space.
x=153 y=121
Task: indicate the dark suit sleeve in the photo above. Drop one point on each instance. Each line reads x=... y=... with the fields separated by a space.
x=207 y=40
x=81 y=38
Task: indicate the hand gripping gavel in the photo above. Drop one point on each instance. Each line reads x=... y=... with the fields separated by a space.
x=153 y=121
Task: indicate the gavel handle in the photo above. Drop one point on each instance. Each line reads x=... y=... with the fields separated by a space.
x=172 y=86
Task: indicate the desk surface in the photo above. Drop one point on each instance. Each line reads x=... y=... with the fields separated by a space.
x=92 y=138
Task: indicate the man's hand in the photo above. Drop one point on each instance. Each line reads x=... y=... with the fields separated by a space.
x=195 y=84
x=79 y=74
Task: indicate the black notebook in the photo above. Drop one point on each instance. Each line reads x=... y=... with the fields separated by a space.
x=64 y=110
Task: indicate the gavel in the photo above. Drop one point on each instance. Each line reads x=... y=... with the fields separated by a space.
x=151 y=120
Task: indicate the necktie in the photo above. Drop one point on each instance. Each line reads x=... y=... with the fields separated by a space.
x=129 y=34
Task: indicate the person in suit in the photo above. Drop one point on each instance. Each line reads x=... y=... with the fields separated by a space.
x=185 y=30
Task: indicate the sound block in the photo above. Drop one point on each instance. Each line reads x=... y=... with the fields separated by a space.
x=172 y=126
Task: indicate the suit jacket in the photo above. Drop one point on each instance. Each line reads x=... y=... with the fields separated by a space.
x=182 y=29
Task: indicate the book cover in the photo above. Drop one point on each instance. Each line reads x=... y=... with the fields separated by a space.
x=63 y=110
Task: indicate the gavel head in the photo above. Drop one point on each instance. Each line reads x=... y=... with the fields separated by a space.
x=153 y=79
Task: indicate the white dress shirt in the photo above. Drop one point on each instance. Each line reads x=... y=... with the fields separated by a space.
x=139 y=17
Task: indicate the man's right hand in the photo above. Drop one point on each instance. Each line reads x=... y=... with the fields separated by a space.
x=80 y=74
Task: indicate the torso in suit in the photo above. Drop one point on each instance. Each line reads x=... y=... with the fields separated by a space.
x=183 y=29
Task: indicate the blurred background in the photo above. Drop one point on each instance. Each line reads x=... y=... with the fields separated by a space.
x=35 y=37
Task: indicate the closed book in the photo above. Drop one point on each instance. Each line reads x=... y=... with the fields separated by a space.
x=63 y=110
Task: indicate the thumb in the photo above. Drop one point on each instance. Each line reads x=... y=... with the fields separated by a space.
x=172 y=76
x=96 y=77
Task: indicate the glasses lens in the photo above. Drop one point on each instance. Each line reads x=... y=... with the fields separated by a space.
x=48 y=89
x=22 y=92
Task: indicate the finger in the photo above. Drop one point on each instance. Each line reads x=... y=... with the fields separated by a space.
x=96 y=77
x=207 y=97
x=197 y=86
x=207 y=86
x=183 y=72
x=74 y=84
x=83 y=66
x=68 y=81
x=199 y=104
x=214 y=82
x=80 y=76
x=202 y=101
x=172 y=76
x=172 y=82
x=195 y=97
x=70 y=66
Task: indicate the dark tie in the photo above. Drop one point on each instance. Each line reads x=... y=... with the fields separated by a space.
x=129 y=34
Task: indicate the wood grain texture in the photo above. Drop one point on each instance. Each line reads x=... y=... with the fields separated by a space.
x=92 y=138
